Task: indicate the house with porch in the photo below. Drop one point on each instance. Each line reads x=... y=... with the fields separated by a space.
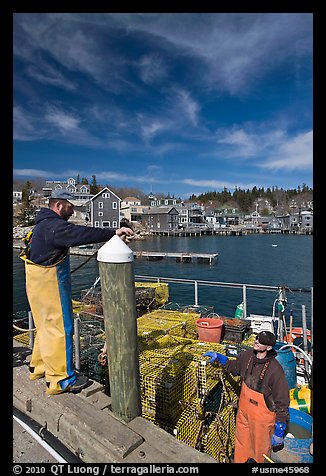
x=81 y=192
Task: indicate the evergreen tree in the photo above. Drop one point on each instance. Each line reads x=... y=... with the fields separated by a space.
x=26 y=216
x=94 y=188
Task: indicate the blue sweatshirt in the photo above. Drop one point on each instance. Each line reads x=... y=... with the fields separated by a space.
x=52 y=237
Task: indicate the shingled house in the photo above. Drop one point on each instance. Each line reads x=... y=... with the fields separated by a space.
x=104 y=209
x=161 y=219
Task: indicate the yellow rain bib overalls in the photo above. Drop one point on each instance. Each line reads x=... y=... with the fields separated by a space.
x=48 y=290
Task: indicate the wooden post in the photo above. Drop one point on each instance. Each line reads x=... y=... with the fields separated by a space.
x=77 y=341
x=312 y=321
x=244 y=300
x=31 y=326
x=120 y=320
x=291 y=326
x=196 y=293
x=304 y=335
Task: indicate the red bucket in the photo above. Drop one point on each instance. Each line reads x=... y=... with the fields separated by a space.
x=210 y=329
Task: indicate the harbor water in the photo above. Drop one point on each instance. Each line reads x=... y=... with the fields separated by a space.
x=251 y=259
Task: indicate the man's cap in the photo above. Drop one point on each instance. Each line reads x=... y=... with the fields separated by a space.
x=62 y=194
x=266 y=338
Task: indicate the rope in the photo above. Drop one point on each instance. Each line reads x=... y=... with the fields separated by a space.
x=23 y=330
x=298 y=348
x=86 y=261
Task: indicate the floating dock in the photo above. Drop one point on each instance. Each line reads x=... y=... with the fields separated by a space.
x=157 y=255
x=179 y=257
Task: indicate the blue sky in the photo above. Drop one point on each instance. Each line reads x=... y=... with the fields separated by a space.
x=177 y=103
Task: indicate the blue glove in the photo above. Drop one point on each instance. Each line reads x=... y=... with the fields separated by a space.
x=278 y=437
x=216 y=356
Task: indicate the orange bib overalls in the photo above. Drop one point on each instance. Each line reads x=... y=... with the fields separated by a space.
x=254 y=426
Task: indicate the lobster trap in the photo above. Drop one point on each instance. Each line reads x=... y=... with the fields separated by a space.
x=148 y=296
x=180 y=391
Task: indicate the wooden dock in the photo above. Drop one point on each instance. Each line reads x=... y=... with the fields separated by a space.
x=179 y=257
x=152 y=255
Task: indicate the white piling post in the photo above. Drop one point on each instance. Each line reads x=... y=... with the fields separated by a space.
x=120 y=320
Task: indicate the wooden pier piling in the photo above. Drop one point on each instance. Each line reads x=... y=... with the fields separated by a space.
x=120 y=320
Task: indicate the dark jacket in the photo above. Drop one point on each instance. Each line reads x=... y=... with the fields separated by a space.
x=274 y=384
x=52 y=237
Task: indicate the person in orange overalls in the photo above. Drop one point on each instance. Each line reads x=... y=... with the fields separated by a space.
x=263 y=409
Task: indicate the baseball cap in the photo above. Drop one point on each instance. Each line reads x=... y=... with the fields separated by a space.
x=62 y=194
x=266 y=338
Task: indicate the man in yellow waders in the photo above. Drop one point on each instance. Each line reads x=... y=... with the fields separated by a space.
x=263 y=409
x=48 y=288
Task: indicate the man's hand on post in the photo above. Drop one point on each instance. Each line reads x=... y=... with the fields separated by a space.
x=125 y=233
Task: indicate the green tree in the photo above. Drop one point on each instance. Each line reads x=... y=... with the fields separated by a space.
x=94 y=188
x=26 y=216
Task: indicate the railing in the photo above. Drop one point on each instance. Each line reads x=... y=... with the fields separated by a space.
x=245 y=287
x=281 y=290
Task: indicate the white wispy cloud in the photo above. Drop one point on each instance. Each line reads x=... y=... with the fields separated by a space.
x=32 y=173
x=242 y=144
x=44 y=73
x=295 y=153
x=273 y=149
x=186 y=106
x=152 y=68
x=150 y=127
x=62 y=120
x=230 y=52
x=235 y=49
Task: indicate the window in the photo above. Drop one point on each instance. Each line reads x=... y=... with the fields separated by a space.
x=100 y=204
x=97 y=224
x=114 y=205
x=100 y=214
x=114 y=224
x=105 y=224
x=106 y=195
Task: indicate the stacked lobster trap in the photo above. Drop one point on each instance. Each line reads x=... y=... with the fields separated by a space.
x=180 y=391
x=148 y=296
